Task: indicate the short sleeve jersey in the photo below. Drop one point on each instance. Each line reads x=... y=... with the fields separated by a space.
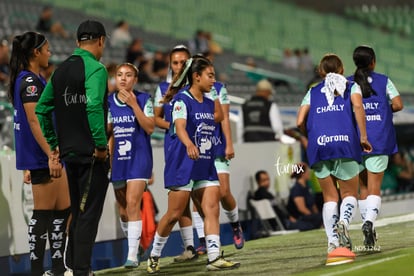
x=29 y=155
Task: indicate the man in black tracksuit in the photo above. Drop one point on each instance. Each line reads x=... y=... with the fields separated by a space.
x=261 y=116
x=77 y=95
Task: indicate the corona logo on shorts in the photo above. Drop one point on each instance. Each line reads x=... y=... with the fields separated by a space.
x=325 y=139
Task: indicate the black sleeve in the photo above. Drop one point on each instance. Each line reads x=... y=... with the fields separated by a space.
x=30 y=89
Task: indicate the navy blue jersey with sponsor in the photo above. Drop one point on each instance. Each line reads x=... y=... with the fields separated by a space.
x=378 y=113
x=331 y=129
x=200 y=126
x=27 y=89
x=132 y=154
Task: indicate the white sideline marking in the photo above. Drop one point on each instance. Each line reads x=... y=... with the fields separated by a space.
x=364 y=265
x=385 y=221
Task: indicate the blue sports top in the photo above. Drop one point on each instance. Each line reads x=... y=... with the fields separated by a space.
x=132 y=155
x=331 y=129
x=201 y=128
x=29 y=155
x=378 y=114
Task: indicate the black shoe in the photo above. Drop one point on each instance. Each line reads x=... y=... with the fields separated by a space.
x=369 y=235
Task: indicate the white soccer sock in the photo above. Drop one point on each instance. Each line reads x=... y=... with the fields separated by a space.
x=373 y=207
x=330 y=218
x=158 y=245
x=362 y=206
x=347 y=210
x=199 y=224
x=124 y=227
x=233 y=215
x=134 y=235
x=213 y=246
x=187 y=236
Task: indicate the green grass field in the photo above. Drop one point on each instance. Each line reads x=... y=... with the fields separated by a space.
x=304 y=253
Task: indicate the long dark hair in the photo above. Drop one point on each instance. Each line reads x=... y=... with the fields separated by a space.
x=363 y=57
x=330 y=63
x=22 y=51
x=196 y=64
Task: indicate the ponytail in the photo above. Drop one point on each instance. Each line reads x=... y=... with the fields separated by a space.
x=361 y=77
x=364 y=57
x=22 y=51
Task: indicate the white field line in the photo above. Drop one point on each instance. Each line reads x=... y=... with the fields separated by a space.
x=385 y=221
x=364 y=265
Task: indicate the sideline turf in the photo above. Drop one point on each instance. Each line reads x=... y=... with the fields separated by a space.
x=302 y=253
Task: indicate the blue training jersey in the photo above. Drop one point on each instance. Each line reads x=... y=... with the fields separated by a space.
x=378 y=113
x=27 y=89
x=201 y=127
x=331 y=129
x=132 y=155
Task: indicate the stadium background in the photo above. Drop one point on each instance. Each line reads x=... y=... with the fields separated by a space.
x=259 y=29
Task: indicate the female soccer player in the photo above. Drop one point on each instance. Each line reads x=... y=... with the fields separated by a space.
x=131 y=124
x=327 y=115
x=377 y=93
x=41 y=164
x=190 y=160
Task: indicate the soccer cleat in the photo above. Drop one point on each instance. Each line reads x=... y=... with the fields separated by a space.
x=131 y=264
x=221 y=264
x=238 y=238
x=68 y=272
x=370 y=236
x=189 y=254
x=48 y=273
x=331 y=247
x=343 y=235
x=340 y=255
x=153 y=265
x=201 y=250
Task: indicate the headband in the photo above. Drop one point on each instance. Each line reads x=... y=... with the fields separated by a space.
x=41 y=44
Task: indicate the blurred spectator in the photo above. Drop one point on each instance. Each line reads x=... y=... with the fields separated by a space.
x=4 y=62
x=160 y=65
x=402 y=169
x=111 y=68
x=46 y=23
x=253 y=76
x=316 y=78
x=120 y=36
x=290 y=61
x=199 y=44
x=145 y=72
x=263 y=182
x=135 y=52
x=306 y=62
x=213 y=46
x=261 y=116
x=303 y=212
